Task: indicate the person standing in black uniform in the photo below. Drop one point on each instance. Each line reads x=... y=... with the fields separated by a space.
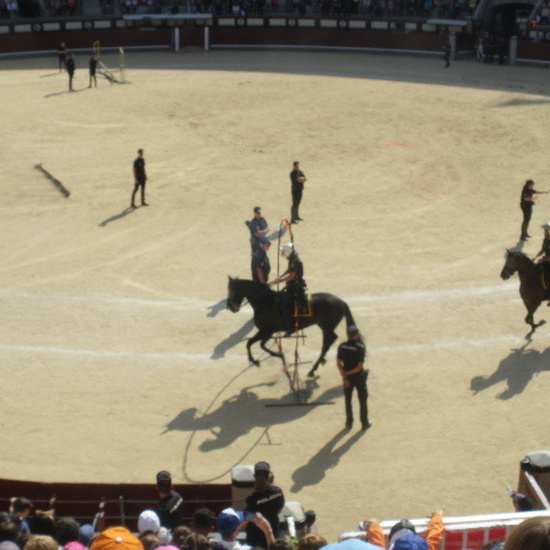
x=92 y=64
x=351 y=361
x=295 y=290
x=447 y=53
x=527 y=201
x=140 y=177
x=70 y=69
x=297 y=180
x=62 y=55
x=268 y=499
x=170 y=505
x=260 y=262
x=258 y=227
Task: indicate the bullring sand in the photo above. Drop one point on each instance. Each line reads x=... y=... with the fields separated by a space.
x=117 y=356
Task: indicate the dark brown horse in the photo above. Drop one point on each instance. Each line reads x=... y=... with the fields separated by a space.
x=327 y=311
x=531 y=286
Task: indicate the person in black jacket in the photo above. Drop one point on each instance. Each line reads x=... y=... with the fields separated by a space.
x=140 y=178
x=268 y=500
x=351 y=364
x=70 y=69
x=297 y=180
x=170 y=505
x=527 y=201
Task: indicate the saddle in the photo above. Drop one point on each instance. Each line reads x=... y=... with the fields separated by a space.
x=304 y=307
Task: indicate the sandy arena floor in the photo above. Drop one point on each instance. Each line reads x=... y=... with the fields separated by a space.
x=117 y=356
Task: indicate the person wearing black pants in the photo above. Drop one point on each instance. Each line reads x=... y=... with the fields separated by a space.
x=350 y=360
x=70 y=69
x=297 y=179
x=527 y=201
x=139 y=179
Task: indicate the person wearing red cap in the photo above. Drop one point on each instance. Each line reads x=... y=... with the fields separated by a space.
x=268 y=500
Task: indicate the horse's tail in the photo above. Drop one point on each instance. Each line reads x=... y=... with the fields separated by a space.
x=348 y=315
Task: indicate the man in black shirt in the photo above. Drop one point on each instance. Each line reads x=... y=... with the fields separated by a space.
x=170 y=506
x=70 y=69
x=93 y=67
x=268 y=499
x=139 y=178
x=260 y=262
x=297 y=180
x=350 y=361
x=258 y=228
x=62 y=55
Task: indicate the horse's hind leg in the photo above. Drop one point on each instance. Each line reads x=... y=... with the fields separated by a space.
x=328 y=339
x=531 y=321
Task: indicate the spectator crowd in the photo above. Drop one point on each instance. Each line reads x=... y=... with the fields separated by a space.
x=256 y=527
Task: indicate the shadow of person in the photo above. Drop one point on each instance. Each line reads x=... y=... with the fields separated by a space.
x=238 y=415
x=232 y=340
x=517 y=370
x=327 y=457
x=116 y=217
x=65 y=92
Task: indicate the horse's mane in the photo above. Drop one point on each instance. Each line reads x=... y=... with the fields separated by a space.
x=521 y=254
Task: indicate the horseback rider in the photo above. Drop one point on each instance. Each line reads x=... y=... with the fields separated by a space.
x=295 y=290
x=544 y=262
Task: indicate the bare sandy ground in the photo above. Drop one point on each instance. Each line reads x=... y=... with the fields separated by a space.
x=116 y=354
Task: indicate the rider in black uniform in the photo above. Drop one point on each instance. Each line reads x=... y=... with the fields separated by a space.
x=294 y=293
x=544 y=262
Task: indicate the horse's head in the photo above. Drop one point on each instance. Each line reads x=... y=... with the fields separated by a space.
x=510 y=264
x=234 y=295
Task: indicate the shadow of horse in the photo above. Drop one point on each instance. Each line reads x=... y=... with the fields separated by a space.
x=238 y=415
x=232 y=340
x=116 y=217
x=517 y=370
x=326 y=458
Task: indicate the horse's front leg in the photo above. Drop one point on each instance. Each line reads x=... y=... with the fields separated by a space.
x=253 y=340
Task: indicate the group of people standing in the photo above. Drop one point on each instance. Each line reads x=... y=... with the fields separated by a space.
x=67 y=62
x=294 y=294
x=351 y=353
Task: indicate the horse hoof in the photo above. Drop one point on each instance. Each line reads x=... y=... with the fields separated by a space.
x=311 y=374
x=255 y=362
